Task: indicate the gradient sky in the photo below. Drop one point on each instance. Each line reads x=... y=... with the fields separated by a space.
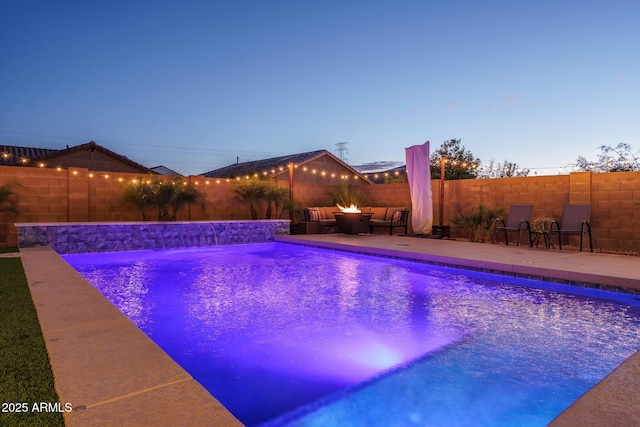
x=194 y=84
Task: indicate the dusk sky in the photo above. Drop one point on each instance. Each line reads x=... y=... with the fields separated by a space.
x=193 y=85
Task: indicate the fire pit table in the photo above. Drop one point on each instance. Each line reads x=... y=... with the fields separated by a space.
x=352 y=222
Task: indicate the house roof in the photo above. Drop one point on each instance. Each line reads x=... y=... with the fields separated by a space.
x=12 y=155
x=380 y=177
x=16 y=154
x=238 y=169
x=278 y=164
x=163 y=170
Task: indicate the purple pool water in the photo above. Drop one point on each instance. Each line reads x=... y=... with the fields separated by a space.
x=288 y=335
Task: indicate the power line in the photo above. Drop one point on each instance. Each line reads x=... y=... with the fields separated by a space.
x=342 y=151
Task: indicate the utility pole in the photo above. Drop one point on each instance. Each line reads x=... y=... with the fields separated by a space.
x=342 y=151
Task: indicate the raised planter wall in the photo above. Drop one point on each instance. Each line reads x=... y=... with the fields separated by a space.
x=71 y=238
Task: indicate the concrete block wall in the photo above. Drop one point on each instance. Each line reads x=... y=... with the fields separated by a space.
x=75 y=194
x=615 y=201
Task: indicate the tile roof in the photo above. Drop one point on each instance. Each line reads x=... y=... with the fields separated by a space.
x=16 y=154
x=12 y=155
x=238 y=169
x=163 y=170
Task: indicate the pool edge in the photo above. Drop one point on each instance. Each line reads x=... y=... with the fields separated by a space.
x=103 y=365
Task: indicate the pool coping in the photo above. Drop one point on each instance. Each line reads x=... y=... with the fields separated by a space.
x=106 y=368
x=112 y=373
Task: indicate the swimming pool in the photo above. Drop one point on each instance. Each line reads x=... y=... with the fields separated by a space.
x=288 y=335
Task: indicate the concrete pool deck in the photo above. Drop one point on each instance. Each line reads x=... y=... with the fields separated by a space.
x=103 y=365
x=113 y=374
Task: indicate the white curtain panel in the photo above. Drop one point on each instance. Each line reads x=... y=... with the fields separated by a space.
x=419 y=176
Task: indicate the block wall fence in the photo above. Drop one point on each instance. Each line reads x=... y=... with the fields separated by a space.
x=78 y=195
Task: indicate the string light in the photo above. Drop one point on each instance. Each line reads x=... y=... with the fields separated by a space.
x=326 y=174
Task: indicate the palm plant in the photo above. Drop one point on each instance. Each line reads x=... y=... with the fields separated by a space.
x=167 y=197
x=275 y=197
x=187 y=195
x=139 y=194
x=251 y=193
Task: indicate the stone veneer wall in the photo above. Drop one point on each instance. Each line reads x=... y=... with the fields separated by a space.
x=71 y=238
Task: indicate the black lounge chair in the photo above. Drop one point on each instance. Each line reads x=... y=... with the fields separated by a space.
x=316 y=220
x=575 y=220
x=393 y=219
x=519 y=217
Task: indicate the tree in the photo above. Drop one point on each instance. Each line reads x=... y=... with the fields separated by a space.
x=396 y=178
x=502 y=170
x=620 y=158
x=460 y=163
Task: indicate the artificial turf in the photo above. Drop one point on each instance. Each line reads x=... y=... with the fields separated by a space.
x=25 y=373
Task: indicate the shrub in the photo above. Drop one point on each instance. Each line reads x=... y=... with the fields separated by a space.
x=7 y=203
x=477 y=225
x=344 y=195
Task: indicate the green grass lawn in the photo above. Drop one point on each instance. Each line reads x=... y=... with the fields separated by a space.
x=25 y=372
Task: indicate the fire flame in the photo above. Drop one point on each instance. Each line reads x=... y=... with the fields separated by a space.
x=351 y=209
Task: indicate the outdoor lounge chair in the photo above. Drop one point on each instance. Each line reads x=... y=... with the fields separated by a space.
x=317 y=220
x=575 y=220
x=519 y=217
x=393 y=219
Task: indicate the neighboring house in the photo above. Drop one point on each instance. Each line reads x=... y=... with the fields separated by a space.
x=163 y=170
x=314 y=167
x=389 y=175
x=90 y=156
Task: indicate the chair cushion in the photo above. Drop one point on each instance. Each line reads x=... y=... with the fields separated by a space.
x=390 y=212
x=378 y=213
x=314 y=214
x=327 y=212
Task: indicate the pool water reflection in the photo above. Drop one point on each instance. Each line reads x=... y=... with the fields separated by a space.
x=289 y=335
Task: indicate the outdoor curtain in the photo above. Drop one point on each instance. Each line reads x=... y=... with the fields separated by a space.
x=419 y=176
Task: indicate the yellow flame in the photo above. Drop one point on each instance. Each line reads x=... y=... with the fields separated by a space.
x=351 y=209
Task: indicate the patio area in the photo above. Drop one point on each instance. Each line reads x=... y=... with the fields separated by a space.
x=92 y=343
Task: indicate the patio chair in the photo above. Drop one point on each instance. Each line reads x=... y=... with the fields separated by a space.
x=519 y=216
x=575 y=220
x=394 y=218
